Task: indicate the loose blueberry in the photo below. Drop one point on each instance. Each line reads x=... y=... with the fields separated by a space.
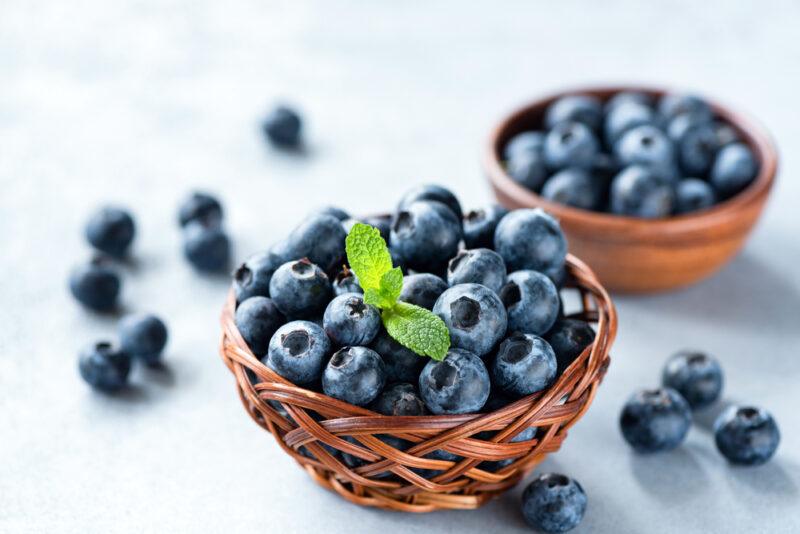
x=348 y=320
x=524 y=364
x=143 y=336
x=624 y=117
x=647 y=146
x=672 y=105
x=333 y=211
x=257 y=319
x=570 y=144
x=297 y=351
x=300 y=289
x=399 y=399
x=532 y=302
x=474 y=315
x=426 y=235
x=572 y=187
x=422 y=289
x=478 y=266
x=206 y=246
x=320 y=238
x=355 y=375
x=733 y=170
x=525 y=142
x=528 y=169
x=693 y=194
x=697 y=377
x=655 y=420
x=639 y=192
x=252 y=277
x=104 y=367
x=569 y=338
x=431 y=192
x=530 y=239
x=746 y=435
x=346 y=281
x=575 y=108
x=199 y=206
x=553 y=503
x=282 y=127
x=111 y=230
x=400 y=363
x=480 y=224
x=95 y=285
x=458 y=384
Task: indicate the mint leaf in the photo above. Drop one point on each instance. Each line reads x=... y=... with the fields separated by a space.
x=367 y=255
x=386 y=295
x=417 y=329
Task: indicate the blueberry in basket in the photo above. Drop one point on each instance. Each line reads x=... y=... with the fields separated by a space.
x=632 y=155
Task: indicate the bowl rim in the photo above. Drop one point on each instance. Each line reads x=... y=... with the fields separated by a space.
x=623 y=228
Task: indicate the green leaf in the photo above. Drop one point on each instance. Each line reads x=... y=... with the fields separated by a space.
x=417 y=329
x=389 y=291
x=367 y=255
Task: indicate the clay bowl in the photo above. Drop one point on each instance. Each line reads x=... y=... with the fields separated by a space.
x=640 y=255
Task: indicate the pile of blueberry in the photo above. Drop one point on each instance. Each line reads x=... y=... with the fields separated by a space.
x=632 y=156
x=658 y=420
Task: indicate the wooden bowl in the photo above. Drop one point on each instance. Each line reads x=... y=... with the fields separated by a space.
x=643 y=255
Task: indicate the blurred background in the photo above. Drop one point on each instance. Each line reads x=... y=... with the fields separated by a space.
x=138 y=102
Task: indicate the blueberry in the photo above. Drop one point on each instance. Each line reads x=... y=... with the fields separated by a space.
x=672 y=105
x=624 y=117
x=697 y=377
x=431 y=192
x=648 y=146
x=572 y=187
x=693 y=194
x=725 y=134
x=355 y=375
x=282 y=127
x=639 y=192
x=695 y=141
x=569 y=338
x=575 y=108
x=383 y=223
x=522 y=143
x=426 y=235
x=143 y=336
x=346 y=281
x=320 y=238
x=479 y=266
x=480 y=224
x=199 y=206
x=553 y=503
x=300 y=289
x=733 y=170
x=655 y=420
x=746 y=435
x=252 y=277
x=400 y=363
x=524 y=364
x=474 y=315
x=95 y=284
x=257 y=319
x=532 y=302
x=111 y=230
x=104 y=366
x=297 y=351
x=458 y=384
x=348 y=320
x=528 y=169
x=570 y=144
x=627 y=97
x=422 y=289
x=530 y=239
x=333 y=211
x=399 y=399
x=206 y=246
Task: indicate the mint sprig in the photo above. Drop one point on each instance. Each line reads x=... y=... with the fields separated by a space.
x=412 y=326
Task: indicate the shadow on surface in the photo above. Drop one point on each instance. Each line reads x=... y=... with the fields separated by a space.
x=774 y=479
x=674 y=477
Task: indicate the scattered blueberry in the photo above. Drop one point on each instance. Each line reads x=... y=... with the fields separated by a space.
x=206 y=246
x=525 y=142
x=297 y=351
x=400 y=363
x=426 y=235
x=399 y=399
x=96 y=285
x=553 y=503
x=422 y=289
x=479 y=266
x=733 y=170
x=575 y=108
x=355 y=375
x=458 y=384
x=524 y=364
x=530 y=239
x=655 y=420
x=480 y=224
x=431 y=192
x=320 y=238
x=300 y=289
x=570 y=144
x=531 y=301
x=257 y=319
x=199 y=206
x=528 y=169
x=348 y=320
x=282 y=127
x=569 y=338
x=143 y=336
x=696 y=376
x=252 y=277
x=474 y=315
x=111 y=230
x=693 y=194
x=746 y=435
x=572 y=187
x=346 y=281
x=104 y=367
x=639 y=192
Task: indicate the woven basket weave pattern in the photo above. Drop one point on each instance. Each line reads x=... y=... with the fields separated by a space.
x=311 y=426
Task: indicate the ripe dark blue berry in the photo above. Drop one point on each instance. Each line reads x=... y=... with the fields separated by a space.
x=528 y=169
x=572 y=187
x=553 y=503
x=624 y=117
x=426 y=235
x=257 y=319
x=530 y=239
x=300 y=289
x=111 y=230
x=143 y=336
x=647 y=146
x=524 y=364
x=252 y=277
x=206 y=246
x=696 y=376
x=479 y=266
x=532 y=302
x=474 y=315
x=696 y=143
x=422 y=289
x=104 y=367
x=627 y=97
x=432 y=192
x=320 y=238
x=570 y=144
x=655 y=420
x=199 y=206
x=297 y=351
x=525 y=142
x=458 y=384
x=575 y=108
x=672 y=105
x=346 y=281
x=399 y=399
x=480 y=224
x=693 y=194
x=355 y=375
x=96 y=285
x=348 y=320
x=733 y=170
x=639 y=192
x=282 y=127
x=569 y=338
x=400 y=363
x=746 y=435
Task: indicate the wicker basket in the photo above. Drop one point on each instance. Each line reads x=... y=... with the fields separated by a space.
x=317 y=424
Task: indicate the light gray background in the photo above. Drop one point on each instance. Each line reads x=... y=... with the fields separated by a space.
x=137 y=102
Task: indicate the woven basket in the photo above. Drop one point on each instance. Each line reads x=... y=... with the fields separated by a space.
x=317 y=424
